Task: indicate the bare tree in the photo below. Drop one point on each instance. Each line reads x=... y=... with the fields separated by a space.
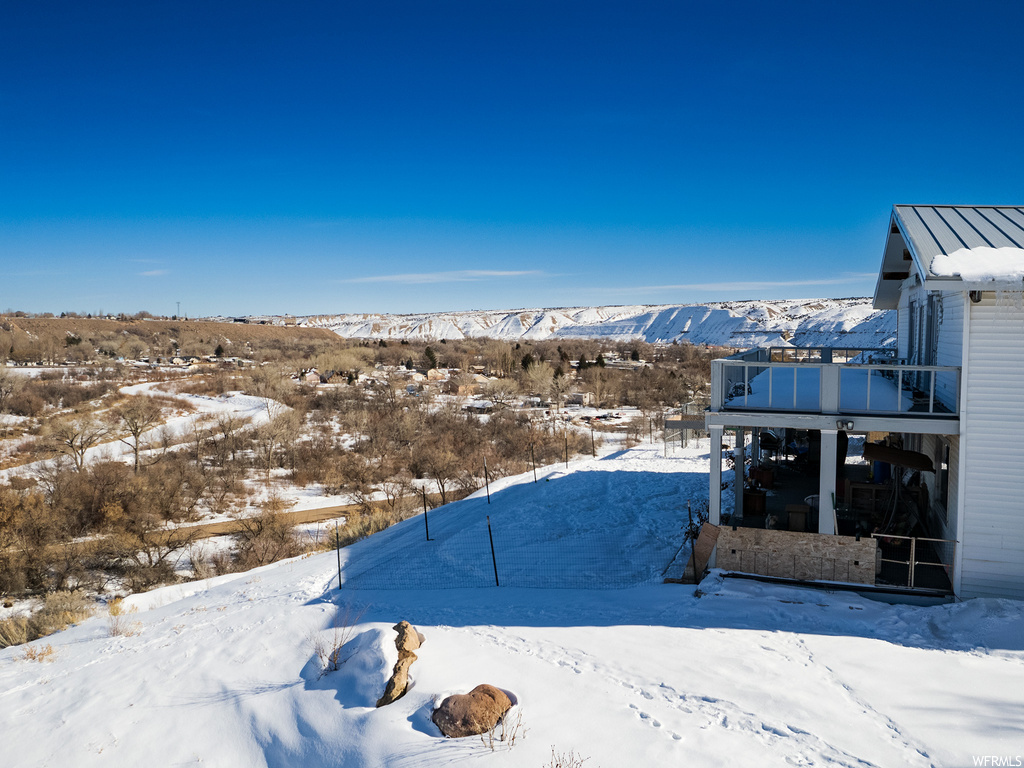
x=538 y=378
x=270 y=383
x=74 y=437
x=140 y=415
x=558 y=387
x=443 y=466
x=230 y=426
x=502 y=392
x=272 y=435
x=596 y=379
x=9 y=385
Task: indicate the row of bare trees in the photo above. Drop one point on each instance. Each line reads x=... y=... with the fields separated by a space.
x=83 y=521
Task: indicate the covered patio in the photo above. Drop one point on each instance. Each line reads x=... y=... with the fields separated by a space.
x=805 y=428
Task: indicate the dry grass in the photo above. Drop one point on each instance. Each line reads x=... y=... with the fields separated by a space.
x=118 y=621
x=38 y=653
x=59 y=611
x=14 y=631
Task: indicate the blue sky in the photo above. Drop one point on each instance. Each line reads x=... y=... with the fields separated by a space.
x=408 y=156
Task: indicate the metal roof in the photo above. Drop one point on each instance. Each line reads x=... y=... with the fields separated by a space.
x=932 y=230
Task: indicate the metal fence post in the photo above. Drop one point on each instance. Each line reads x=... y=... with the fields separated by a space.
x=494 y=560
x=337 y=549
x=426 y=522
x=487 y=481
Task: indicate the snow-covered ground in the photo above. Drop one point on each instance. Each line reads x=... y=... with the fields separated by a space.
x=223 y=672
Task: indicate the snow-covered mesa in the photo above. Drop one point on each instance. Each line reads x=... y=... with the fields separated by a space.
x=224 y=672
x=980 y=265
x=804 y=322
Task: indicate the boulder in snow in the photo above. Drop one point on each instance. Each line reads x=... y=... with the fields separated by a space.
x=471 y=713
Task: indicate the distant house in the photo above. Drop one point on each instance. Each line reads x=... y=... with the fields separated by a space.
x=457 y=386
x=942 y=415
x=580 y=398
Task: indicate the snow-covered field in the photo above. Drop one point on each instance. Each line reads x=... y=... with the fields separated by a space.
x=223 y=672
x=802 y=323
x=245 y=409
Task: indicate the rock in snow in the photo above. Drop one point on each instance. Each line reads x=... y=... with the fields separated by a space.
x=408 y=640
x=473 y=713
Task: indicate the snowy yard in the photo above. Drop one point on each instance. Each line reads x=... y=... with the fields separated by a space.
x=736 y=673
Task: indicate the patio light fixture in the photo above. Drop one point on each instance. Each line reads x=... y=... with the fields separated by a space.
x=847 y=425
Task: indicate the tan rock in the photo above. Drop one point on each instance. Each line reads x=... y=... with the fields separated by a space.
x=407 y=641
x=399 y=682
x=408 y=638
x=471 y=713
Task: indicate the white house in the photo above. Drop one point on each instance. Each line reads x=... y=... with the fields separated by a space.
x=949 y=400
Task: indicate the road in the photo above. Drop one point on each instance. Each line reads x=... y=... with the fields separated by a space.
x=296 y=517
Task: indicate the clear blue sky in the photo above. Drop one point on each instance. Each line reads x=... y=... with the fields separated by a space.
x=314 y=157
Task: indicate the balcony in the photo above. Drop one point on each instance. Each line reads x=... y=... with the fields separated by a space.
x=830 y=381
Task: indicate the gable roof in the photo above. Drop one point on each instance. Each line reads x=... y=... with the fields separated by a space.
x=920 y=233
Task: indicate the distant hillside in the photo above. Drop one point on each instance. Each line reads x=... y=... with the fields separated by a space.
x=806 y=322
x=26 y=339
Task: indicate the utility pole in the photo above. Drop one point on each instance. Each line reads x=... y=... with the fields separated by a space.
x=179 y=311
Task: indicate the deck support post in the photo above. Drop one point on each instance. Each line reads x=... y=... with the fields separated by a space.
x=715 y=483
x=738 y=454
x=755 y=447
x=827 y=481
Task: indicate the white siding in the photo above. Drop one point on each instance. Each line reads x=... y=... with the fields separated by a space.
x=942 y=522
x=951 y=329
x=950 y=344
x=992 y=447
x=902 y=325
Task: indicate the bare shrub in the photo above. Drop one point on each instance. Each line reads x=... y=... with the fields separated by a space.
x=118 y=619
x=60 y=610
x=508 y=732
x=565 y=759
x=328 y=644
x=38 y=653
x=13 y=631
x=266 y=537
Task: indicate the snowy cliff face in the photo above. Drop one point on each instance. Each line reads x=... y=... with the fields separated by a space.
x=801 y=323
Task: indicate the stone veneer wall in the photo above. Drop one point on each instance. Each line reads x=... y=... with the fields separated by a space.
x=805 y=556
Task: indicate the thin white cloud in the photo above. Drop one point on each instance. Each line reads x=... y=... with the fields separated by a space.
x=456 y=276
x=155 y=273
x=747 y=285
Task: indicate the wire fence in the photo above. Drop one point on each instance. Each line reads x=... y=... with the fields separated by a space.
x=468 y=548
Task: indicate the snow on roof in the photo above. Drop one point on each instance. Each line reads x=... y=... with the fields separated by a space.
x=982 y=264
x=948 y=230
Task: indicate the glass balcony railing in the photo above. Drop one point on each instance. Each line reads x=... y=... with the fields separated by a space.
x=824 y=380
